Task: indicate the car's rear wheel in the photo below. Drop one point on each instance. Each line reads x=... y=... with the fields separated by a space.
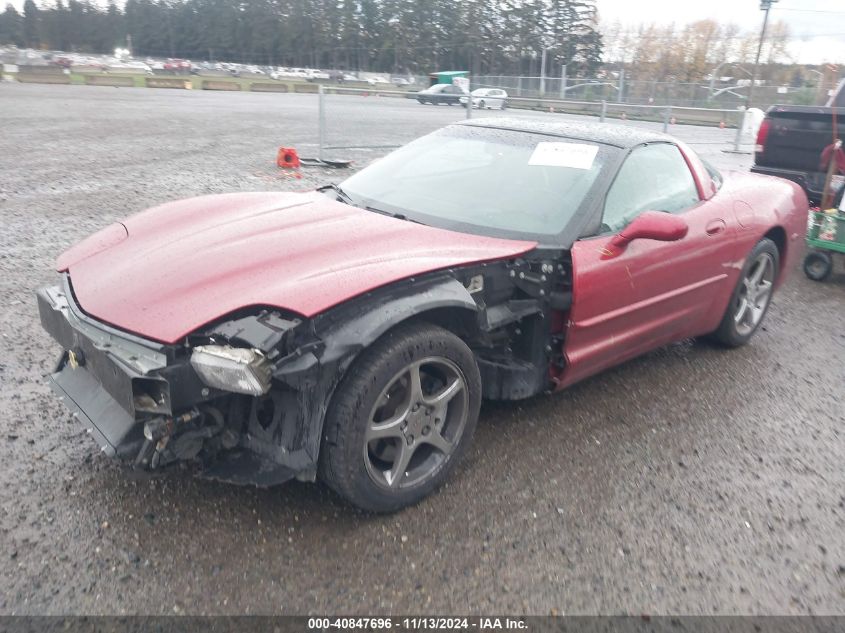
x=401 y=419
x=818 y=266
x=752 y=296
x=481 y=105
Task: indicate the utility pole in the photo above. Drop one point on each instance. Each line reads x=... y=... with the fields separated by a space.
x=543 y=73
x=563 y=81
x=765 y=5
x=620 y=97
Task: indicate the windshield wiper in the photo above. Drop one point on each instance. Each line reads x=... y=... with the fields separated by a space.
x=344 y=197
x=398 y=216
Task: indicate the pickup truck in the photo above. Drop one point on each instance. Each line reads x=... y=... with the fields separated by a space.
x=791 y=140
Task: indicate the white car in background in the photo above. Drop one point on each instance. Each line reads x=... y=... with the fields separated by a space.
x=487 y=98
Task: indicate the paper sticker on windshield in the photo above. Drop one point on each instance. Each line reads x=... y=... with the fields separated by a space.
x=573 y=155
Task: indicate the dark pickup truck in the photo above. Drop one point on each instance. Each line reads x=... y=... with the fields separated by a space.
x=791 y=141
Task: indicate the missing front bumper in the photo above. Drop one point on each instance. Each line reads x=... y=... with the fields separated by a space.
x=105 y=419
x=115 y=383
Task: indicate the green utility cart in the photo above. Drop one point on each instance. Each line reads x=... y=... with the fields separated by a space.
x=825 y=237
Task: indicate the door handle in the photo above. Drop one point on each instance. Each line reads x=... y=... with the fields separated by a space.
x=714 y=227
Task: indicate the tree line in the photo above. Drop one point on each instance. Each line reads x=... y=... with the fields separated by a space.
x=690 y=53
x=505 y=37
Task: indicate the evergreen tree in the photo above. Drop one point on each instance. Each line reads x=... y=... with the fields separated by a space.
x=12 y=26
x=398 y=36
x=31 y=26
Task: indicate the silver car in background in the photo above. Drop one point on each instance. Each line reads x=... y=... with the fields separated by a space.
x=487 y=98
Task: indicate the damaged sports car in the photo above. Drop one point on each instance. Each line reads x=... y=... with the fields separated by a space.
x=350 y=333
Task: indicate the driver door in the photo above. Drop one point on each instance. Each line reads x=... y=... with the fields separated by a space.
x=652 y=292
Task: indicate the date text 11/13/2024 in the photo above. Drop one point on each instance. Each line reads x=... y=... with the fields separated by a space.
x=418 y=623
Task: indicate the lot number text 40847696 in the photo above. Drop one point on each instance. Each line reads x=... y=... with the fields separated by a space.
x=418 y=623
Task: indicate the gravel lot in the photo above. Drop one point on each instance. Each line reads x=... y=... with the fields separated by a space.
x=692 y=480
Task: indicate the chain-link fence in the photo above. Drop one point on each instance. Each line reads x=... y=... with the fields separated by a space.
x=358 y=124
x=719 y=95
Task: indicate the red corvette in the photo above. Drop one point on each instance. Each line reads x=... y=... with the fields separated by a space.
x=351 y=333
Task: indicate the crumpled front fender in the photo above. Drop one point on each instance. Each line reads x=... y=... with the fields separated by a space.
x=312 y=374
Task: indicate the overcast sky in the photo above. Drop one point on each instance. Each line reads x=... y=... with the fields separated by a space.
x=817 y=26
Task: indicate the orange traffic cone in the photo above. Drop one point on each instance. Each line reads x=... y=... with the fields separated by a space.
x=287 y=158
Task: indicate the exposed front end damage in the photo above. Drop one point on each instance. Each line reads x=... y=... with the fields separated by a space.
x=245 y=397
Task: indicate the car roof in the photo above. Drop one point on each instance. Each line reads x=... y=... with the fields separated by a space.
x=619 y=135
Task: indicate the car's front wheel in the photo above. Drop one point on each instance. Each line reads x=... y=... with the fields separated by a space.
x=401 y=419
x=751 y=297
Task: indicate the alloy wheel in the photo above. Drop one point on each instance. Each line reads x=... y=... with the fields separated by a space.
x=754 y=294
x=416 y=423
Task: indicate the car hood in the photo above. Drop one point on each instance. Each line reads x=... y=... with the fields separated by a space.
x=167 y=271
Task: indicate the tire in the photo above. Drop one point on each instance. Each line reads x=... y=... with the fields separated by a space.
x=743 y=317
x=481 y=105
x=818 y=265
x=382 y=455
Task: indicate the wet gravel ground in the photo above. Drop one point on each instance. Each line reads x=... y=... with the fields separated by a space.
x=692 y=480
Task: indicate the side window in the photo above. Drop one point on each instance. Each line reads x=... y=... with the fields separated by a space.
x=714 y=174
x=653 y=178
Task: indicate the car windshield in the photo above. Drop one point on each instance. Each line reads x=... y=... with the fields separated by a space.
x=484 y=180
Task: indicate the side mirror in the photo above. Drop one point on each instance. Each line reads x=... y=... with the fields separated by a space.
x=650 y=225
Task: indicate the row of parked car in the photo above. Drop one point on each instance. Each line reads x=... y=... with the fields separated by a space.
x=311 y=74
x=121 y=61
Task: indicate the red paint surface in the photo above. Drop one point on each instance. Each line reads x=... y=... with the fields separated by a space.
x=188 y=263
x=653 y=293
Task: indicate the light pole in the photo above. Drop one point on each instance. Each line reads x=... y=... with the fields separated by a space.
x=765 y=5
x=563 y=81
x=543 y=72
